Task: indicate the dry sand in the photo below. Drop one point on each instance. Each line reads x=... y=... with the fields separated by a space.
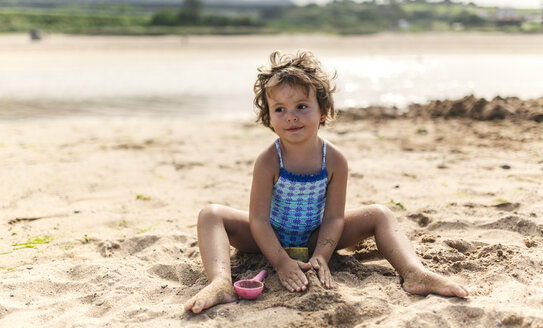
x=119 y=199
x=99 y=215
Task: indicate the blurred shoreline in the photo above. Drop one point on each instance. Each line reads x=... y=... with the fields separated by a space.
x=398 y=43
x=104 y=76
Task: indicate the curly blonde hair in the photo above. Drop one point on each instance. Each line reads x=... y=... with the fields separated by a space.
x=301 y=70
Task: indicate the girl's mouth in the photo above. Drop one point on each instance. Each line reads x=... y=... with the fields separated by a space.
x=294 y=129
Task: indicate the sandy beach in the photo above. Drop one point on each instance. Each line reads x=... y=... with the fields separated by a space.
x=98 y=214
x=107 y=210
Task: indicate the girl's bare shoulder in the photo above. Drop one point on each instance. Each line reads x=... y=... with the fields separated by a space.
x=268 y=160
x=335 y=159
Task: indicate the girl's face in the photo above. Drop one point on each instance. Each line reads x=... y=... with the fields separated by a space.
x=294 y=115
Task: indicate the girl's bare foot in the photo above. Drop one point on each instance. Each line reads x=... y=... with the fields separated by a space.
x=217 y=292
x=424 y=282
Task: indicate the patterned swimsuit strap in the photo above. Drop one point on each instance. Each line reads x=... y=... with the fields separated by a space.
x=323 y=153
x=279 y=152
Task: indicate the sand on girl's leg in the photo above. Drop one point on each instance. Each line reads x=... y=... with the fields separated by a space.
x=217 y=292
x=424 y=282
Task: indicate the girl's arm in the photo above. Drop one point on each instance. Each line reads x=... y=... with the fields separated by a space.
x=332 y=222
x=289 y=271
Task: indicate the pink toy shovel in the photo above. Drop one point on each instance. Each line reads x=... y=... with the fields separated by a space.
x=250 y=289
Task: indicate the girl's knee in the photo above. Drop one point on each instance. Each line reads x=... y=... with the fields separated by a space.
x=210 y=214
x=384 y=215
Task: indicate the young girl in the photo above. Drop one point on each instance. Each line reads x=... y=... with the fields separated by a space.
x=298 y=196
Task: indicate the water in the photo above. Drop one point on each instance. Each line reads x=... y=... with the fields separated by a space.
x=401 y=80
x=107 y=79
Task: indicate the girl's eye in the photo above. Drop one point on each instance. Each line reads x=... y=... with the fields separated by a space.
x=302 y=106
x=279 y=110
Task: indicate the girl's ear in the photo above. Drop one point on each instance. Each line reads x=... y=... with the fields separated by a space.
x=323 y=118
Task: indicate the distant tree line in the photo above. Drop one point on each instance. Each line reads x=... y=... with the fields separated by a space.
x=342 y=16
x=338 y=16
x=69 y=23
x=191 y=14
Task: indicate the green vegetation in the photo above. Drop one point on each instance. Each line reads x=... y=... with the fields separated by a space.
x=400 y=205
x=421 y=131
x=70 y=23
x=142 y=197
x=339 y=17
x=144 y=230
x=33 y=242
x=86 y=239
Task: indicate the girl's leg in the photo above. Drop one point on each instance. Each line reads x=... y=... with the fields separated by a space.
x=218 y=228
x=393 y=244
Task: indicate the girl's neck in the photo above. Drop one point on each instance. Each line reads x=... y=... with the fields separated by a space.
x=303 y=158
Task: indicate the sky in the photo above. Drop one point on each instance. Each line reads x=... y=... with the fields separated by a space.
x=486 y=3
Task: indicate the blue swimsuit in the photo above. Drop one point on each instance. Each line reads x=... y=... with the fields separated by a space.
x=298 y=203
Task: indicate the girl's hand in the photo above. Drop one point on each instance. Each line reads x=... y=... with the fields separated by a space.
x=292 y=276
x=323 y=271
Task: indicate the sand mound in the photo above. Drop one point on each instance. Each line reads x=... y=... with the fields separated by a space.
x=467 y=107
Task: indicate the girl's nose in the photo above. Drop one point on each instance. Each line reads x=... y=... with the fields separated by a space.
x=291 y=116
